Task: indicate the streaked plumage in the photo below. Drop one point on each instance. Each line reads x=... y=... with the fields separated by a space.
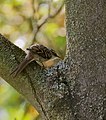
x=38 y=53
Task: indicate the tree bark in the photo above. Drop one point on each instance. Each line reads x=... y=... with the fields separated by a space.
x=74 y=89
x=86 y=34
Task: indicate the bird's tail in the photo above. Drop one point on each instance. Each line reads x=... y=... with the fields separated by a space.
x=21 y=66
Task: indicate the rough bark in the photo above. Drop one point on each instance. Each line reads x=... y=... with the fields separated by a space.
x=10 y=57
x=74 y=89
x=47 y=90
x=86 y=34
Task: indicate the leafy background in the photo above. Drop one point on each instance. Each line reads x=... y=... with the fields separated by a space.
x=18 y=22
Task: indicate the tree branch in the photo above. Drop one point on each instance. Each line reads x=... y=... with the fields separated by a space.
x=44 y=20
x=10 y=55
x=39 y=87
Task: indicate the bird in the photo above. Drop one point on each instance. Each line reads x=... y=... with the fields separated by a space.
x=39 y=53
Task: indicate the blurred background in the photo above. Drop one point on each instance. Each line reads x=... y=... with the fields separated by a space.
x=25 y=22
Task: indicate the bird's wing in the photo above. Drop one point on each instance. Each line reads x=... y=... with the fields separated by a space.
x=41 y=51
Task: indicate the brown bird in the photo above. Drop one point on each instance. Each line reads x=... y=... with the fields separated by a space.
x=40 y=54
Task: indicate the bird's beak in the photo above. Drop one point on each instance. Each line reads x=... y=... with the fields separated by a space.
x=62 y=58
x=59 y=57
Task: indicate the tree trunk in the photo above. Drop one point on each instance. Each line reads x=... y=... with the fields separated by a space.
x=86 y=34
x=74 y=89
